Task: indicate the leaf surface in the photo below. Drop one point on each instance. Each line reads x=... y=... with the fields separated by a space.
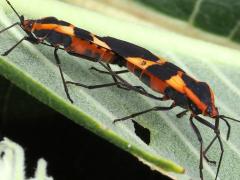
x=32 y=67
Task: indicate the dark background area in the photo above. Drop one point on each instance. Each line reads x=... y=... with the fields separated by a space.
x=71 y=151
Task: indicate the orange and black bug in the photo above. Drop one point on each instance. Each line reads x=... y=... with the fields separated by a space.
x=78 y=42
x=161 y=76
x=175 y=84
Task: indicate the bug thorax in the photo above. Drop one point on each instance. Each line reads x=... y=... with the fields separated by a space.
x=210 y=110
x=203 y=101
x=27 y=25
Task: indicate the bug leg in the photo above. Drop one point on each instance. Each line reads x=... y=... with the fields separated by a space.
x=27 y=38
x=61 y=73
x=115 y=79
x=217 y=132
x=181 y=114
x=157 y=108
x=131 y=87
x=127 y=86
x=206 y=150
x=222 y=151
x=33 y=40
x=116 y=83
x=106 y=72
x=221 y=147
x=197 y=132
x=211 y=126
x=228 y=126
x=13 y=47
x=93 y=86
x=17 y=23
x=50 y=45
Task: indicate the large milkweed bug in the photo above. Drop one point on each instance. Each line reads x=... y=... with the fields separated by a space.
x=161 y=76
x=175 y=84
x=78 y=42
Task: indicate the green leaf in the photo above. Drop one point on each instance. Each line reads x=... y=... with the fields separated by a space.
x=32 y=67
x=216 y=16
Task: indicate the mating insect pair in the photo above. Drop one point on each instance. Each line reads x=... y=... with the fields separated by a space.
x=161 y=76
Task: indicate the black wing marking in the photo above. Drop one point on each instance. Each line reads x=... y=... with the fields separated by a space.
x=164 y=71
x=126 y=49
x=83 y=34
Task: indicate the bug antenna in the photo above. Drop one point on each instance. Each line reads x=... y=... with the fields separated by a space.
x=20 y=17
x=229 y=127
x=226 y=117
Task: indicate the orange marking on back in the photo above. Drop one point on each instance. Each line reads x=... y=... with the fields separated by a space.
x=99 y=42
x=161 y=60
x=140 y=62
x=195 y=99
x=68 y=30
x=155 y=83
x=177 y=83
x=38 y=26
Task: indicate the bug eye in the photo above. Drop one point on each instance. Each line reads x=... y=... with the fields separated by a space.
x=209 y=110
x=30 y=25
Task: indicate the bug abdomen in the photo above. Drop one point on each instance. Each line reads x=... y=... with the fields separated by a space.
x=82 y=48
x=147 y=77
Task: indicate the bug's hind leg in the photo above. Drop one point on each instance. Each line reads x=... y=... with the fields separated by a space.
x=197 y=132
x=106 y=72
x=181 y=114
x=138 y=89
x=217 y=136
x=30 y=39
x=115 y=79
x=157 y=108
x=13 y=47
x=61 y=73
x=93 y=86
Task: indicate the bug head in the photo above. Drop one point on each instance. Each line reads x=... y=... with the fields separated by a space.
x=212 y=111
x=201 y=99
x=26 y=25
x=207 y=97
